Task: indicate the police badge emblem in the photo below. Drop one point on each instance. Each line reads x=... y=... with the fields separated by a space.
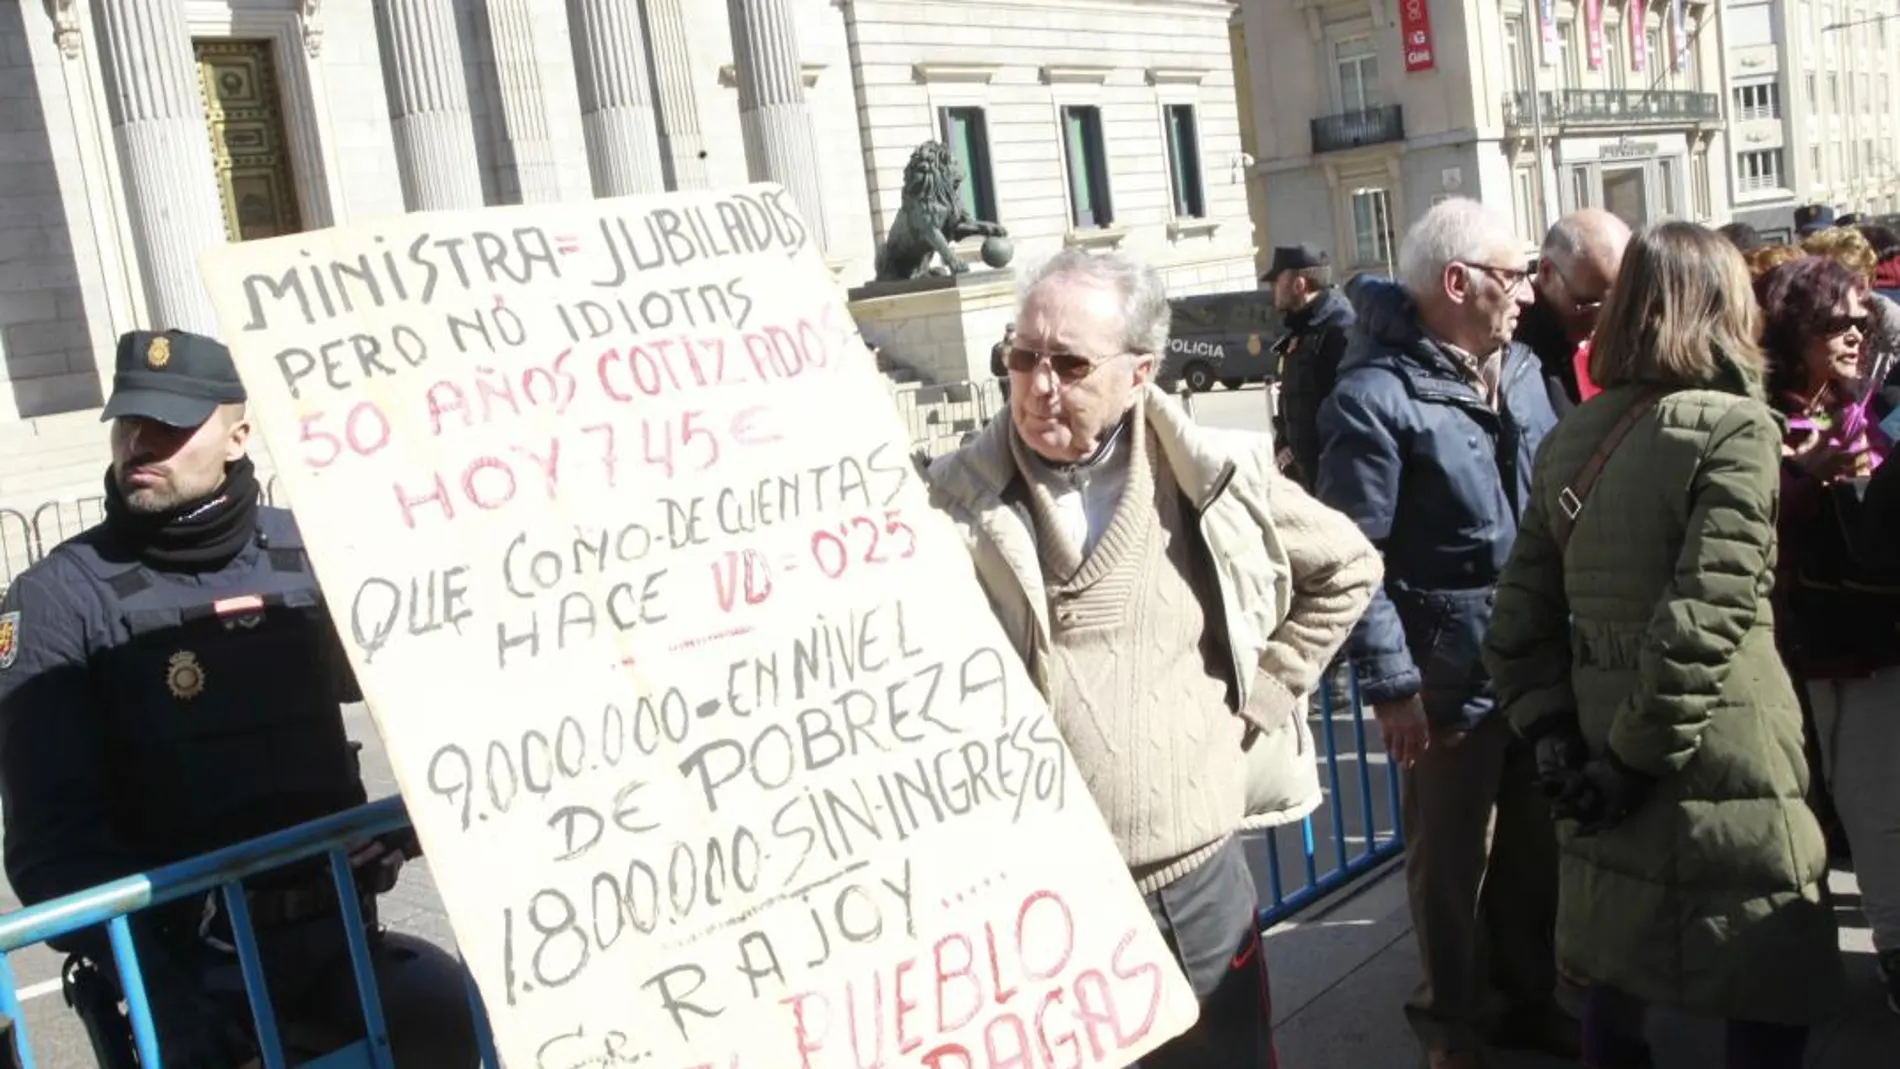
x=9 y=638
x=159 y=353
x=185 y=676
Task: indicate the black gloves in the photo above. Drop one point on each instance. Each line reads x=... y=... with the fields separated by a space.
x=1598 y=792
x=1561 y=755
x=1603 y=794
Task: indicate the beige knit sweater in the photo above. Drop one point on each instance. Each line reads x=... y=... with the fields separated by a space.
x=1140 y=679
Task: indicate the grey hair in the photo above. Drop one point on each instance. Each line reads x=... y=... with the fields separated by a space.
x=1146 y=315
x=1457 y=229
x=1584 y=231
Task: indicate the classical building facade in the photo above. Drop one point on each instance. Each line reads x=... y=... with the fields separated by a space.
x=1363 y=113
x=136 y=134
x=1814 y=93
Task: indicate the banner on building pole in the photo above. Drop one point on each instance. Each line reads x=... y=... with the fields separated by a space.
x=1415 y=32
x=1636 y=18
x=1593 y=32
x=1678 y=35
x=1547 y=25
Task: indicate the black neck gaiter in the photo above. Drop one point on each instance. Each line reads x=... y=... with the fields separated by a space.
x=198 y=534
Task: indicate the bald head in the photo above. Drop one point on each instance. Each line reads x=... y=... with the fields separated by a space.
x=1578 y=266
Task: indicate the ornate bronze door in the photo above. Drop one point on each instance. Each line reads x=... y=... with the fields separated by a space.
x=244 y=113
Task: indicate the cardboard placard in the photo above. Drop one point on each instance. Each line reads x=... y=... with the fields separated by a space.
x=716 y=750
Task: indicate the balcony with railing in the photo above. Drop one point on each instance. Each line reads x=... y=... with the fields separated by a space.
x=1613 y=107
x=1356 y=129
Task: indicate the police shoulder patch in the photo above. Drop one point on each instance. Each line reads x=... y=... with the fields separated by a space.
x=9 y=638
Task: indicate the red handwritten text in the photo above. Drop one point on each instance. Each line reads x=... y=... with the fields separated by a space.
x=1013 y=995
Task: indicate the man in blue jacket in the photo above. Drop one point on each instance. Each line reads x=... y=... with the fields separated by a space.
x=1427 y=442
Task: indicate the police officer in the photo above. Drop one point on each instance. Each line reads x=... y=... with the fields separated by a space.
x=169 y=685
x=1317 y=320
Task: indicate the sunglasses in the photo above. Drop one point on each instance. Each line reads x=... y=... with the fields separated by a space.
x=1069 y=367
x=1842 y=324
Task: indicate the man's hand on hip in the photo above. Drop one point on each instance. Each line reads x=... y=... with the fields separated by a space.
x=1404 y=729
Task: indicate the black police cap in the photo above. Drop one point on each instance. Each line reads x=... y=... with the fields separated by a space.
x=1294 y=258
x=176 y=378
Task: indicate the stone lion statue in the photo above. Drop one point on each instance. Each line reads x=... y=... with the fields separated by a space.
x=930 y=218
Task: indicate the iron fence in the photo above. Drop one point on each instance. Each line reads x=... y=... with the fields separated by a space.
x=223 y=872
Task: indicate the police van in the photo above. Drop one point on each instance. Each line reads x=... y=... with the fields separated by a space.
x=1225 y=338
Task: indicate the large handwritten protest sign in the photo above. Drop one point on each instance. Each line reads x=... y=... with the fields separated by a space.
x=718 y=754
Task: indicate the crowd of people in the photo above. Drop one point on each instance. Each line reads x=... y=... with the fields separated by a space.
x=1640 y=619
x=1607 y=539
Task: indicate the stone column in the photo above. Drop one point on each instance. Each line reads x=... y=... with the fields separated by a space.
x=428 y=102
x=780 y=145
x=682 y=150
x=523 y=108
x=610 y=55
x=158 y=119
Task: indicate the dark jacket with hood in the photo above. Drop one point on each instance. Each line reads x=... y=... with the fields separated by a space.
x=1436 y=478
x=1310 y=354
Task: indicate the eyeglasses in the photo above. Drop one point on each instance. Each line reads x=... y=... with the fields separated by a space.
x=1511 y=278
x=1842 y=324
x=1069 y=367
x=1591 y=305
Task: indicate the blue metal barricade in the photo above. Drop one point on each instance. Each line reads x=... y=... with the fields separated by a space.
x=223 y=871
x=1330 y=859
x=1334 y=847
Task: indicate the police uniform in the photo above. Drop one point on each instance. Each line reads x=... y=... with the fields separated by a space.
x=170 y=685
x=1309 y=356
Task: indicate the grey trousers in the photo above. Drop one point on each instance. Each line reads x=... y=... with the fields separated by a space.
x=1481 y=876
x=1858 y=721
x=1210 y=920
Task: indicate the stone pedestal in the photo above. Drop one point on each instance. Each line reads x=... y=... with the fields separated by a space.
x=780 y=145
x=623 y=144
x=682 y=149
x=158 y=118
x=938 y=328
x=435 y=138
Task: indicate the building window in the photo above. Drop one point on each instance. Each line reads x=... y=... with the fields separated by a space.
x=968 y=135
x=1184 y=162
x=1357 y=63
x=1613 y=57
x=1579 y=188
x=1866 y=100
x=1699 y=169
x=1809 y=82
x=1527 y=213
x=1666 y=187
x=1758 y=170
x=1834 y=93
x=1571 y=62
x=1089 y=203
x=1814 y=160
x=1759 y=101
x=1514 y=54
x=1660 y=64
x=1371 y=226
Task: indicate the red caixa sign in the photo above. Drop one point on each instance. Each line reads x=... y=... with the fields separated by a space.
x=1415 y=35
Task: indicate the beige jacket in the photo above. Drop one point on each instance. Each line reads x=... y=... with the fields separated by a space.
x=1294 y=576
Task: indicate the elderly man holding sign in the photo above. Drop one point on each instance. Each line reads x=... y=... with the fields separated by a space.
x=1174 y=597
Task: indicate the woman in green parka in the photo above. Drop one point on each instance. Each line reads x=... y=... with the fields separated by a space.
x=1633 y=643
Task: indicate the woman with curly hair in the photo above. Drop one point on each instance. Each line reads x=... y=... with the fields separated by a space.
x=1765 y=258
x=1852 y=249
x=1837 y=602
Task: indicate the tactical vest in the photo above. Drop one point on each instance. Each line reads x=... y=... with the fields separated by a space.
x=220 y=701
